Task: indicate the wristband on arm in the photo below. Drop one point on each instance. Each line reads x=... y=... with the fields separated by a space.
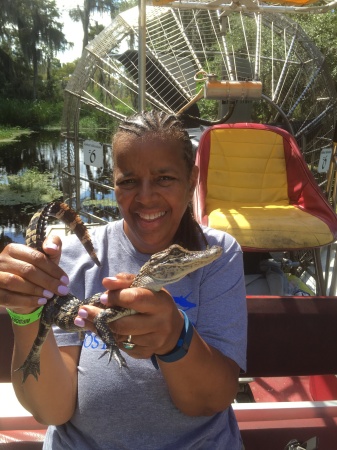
x=182 y=346
x=25 y=319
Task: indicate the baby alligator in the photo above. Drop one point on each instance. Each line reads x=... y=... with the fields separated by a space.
x=167 y=266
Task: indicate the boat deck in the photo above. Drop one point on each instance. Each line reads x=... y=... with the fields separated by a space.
x=281 y=389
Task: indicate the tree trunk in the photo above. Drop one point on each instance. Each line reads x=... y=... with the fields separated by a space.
x=85 y=17
x=35 y=72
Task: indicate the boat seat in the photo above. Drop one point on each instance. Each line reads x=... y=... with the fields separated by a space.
x=255 y=184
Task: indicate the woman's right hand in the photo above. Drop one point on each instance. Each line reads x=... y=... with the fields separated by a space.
x=28 y=278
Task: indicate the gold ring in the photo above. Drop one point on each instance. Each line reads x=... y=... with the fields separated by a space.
x=128 y=345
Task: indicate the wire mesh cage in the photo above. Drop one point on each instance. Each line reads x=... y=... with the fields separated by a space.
x=183 y=44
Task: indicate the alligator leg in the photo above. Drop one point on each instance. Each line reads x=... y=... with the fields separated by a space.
x=31 y=366
x=101 y=323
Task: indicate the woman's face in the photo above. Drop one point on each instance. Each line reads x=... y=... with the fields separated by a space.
x=153 y=188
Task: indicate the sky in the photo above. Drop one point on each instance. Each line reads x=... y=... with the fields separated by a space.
x=73 y=30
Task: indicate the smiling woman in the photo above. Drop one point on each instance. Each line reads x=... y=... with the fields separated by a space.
x=183 y=357
x=154 y=180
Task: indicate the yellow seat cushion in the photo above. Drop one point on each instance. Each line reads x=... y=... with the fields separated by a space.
x=247 y=193
x=268 y=227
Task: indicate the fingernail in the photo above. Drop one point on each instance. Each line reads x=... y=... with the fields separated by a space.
x=63 y=290
x=51 y=245
x=65 y=280
x=47 y=294
x=112 y=278
x=79 y=322
x=83 y=313
x=104 y=299
x=42 y=301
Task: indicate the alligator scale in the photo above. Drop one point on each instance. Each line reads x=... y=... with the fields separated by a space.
x=167 y=266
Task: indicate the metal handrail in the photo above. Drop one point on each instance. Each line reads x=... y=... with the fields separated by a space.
x=94 y=183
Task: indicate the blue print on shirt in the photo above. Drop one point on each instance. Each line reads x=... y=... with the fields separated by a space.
x=91 y=340
x=184 y=303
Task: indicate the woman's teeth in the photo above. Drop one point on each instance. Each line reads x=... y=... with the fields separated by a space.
x=151 y=216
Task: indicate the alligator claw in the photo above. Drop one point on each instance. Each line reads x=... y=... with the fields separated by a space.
x=114 y=353
x=29 y=368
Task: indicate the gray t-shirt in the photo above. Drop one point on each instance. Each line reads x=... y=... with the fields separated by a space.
x=131 y=408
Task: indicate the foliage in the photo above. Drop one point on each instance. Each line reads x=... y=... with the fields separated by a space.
x=10 y=133
x=29 y=114
x=30 y=34
x=82 y=14
x=29 y=187
x=208 y=109
x=94 y=125
x=322 y=29
x=93 y=118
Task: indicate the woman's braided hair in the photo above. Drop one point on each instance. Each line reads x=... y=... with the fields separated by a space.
x=161 y=125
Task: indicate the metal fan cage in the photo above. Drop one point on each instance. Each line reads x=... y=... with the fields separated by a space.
x=297 y=90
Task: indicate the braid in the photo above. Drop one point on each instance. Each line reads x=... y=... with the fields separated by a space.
x=161 y=125
x=189 y=233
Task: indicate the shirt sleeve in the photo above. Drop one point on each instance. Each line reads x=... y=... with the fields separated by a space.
x=222 y=317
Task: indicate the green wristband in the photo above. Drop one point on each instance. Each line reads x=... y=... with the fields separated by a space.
x=25 y=319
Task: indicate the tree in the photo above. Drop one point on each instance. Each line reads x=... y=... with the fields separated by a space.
x=30 y=34
x=39 y=33
x=7 y=42
x=322 y=29
x=90 y=6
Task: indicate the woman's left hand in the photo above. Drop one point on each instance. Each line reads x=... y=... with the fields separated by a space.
x=154 y=330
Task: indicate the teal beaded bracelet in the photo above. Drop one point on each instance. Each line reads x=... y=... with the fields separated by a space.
x=25 y=319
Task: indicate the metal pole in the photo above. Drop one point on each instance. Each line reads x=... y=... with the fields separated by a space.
x=142 y=54
x=77 y=169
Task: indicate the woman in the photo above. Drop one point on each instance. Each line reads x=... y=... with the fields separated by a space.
x=91 y=404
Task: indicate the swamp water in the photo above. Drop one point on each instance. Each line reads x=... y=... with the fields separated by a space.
x=39 y=151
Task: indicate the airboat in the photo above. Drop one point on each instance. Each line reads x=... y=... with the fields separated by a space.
x=260 y=107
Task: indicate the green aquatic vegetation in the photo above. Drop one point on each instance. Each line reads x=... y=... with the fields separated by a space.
x=8 y=134
x=29 y=187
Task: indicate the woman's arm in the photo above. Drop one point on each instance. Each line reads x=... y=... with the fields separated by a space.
x=27 y=279
x=203 y=382
x=51 y=399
